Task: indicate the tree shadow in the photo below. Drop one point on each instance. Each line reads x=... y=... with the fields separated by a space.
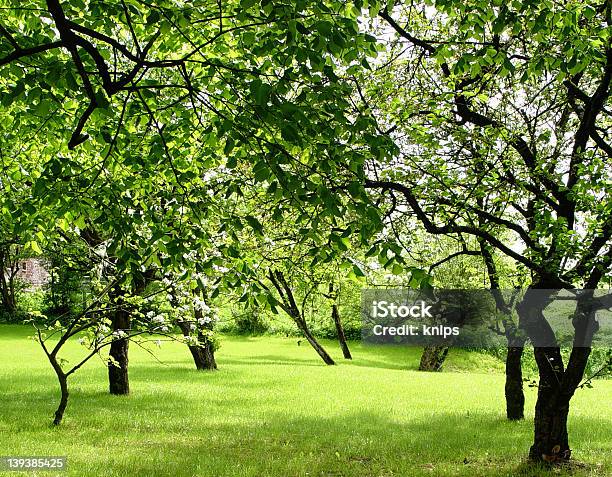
x=365 y=444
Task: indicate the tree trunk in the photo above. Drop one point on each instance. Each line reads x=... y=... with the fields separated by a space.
x=196 y=351
x=203 y=355
x=327 y=359
x=550 y=427
x=198 y=357
x=346 y=352
x=291 y=308
x=207 y=350
x=59 y=413
x=208 y=353
x=7 y=285
x=556 y=386
x=515 y=398
x=433 y=358
x=118 y=379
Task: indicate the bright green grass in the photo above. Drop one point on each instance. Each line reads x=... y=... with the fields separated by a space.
x=273 y=409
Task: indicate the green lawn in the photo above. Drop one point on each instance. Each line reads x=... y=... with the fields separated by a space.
x=273 y=409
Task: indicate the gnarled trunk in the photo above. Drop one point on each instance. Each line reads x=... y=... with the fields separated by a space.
x=207 y=354
x=550 y=425
x=557 y=385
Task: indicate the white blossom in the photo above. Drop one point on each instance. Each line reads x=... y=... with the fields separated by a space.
x=159 y=319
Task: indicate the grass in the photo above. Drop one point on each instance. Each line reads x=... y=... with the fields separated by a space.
x=273 y=409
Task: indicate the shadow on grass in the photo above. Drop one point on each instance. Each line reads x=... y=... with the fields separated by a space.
x=246 y=436
x=535 y=469
x=356 y=444
x=169 y=433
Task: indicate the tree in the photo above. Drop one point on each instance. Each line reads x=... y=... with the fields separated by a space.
x=286 y=300
x=515 y=398
x=124 y=110
x=195 y=318
x=69 y=264
x=95 y=328
x=9 y=266
x=121 y=326
x=333 y=296
x=510 y=104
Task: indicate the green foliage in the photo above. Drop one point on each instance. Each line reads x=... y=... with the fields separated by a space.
x=70 y=271
x=248 y=320
x=487 y=125
x=261 y=95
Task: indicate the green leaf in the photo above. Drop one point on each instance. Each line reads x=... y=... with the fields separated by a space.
x=255 y=224
x=357 y=271
x=35 y=247
x=232 y=162
x=290 y=133
x=229 y=145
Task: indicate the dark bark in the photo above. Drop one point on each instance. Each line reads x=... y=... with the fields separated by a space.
x=433 y=358
x=118 y=378
x=557 y=385
x=62 y=379
x=346 y=352
x=327 y=359
x=59 y=413
x=203 y=353
x=207 y=347
x=197 y=352
x=515 y=398
x=207 y=353
x=289 y=305
x=207 y=350
x=550 y=422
